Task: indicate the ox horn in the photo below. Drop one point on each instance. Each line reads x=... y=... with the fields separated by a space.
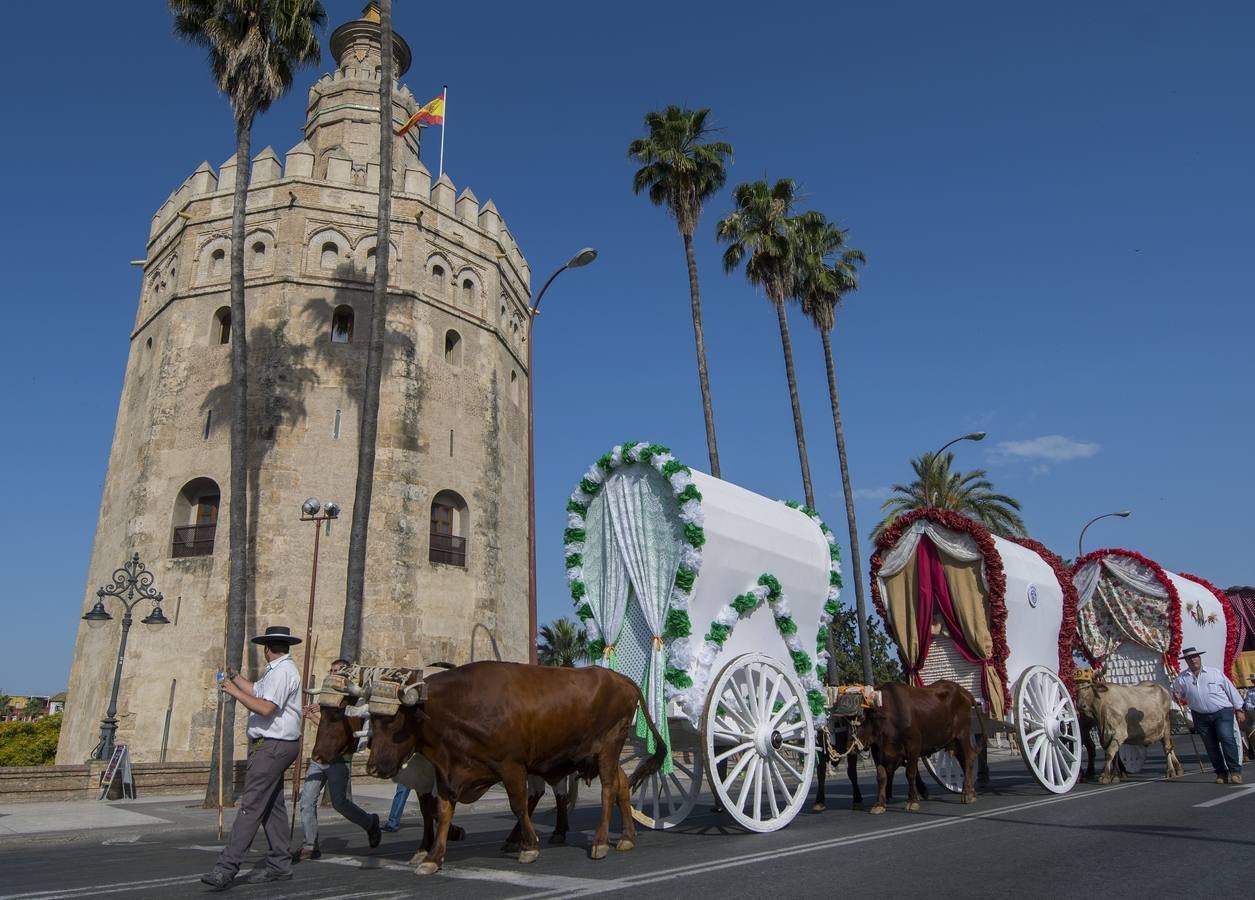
x=356 y=690
x=410 y=695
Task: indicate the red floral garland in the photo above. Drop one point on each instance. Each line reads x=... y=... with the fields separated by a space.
x=1071 y=603
x=1172 y=656
x=995 y=577
x=1230 y=620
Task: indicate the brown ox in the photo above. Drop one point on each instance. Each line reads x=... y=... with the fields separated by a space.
x=912 y=722
x=491 y=722
x=1136 y=714
x=337 y=735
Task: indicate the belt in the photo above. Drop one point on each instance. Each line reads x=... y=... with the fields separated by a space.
x=258 y=740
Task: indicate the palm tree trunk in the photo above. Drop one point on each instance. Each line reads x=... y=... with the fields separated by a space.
x=856 y=558
x=700 y=338
x=237 y=506
x=797 y=404
x=355 y=582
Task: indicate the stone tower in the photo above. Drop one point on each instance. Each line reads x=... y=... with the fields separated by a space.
x=447 y=566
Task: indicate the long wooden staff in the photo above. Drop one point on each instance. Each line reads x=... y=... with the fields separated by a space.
x=300 y=745
x=222 y=712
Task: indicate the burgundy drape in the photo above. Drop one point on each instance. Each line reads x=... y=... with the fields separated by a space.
x=935 y=593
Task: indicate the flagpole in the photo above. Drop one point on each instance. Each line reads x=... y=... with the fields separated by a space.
x=444 y=98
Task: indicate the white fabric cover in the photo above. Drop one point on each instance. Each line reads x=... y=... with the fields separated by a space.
x=1131 y=572
x=954 y=544
x=606 y=576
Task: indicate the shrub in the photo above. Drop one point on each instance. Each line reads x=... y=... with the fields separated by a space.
x=30 y=743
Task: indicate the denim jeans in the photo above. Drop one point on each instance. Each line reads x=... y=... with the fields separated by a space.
x=398 y=807
x=1217 y=731
x=335 y=776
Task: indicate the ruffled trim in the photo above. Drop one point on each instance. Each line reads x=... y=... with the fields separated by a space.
x=995 y=580
x=1172 y=657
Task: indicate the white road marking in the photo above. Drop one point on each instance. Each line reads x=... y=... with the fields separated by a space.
x=1226 y=798
x=544 y=883
x=116 y=888
x=630 y=881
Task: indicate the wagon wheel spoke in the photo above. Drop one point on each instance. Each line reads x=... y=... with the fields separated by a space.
x=747 y=781
x=784 y=762
x=744 y=745
x=769 y=704
x=789 y=706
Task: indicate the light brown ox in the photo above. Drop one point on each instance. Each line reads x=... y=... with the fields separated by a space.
x=491 y=722
x=1136 y=714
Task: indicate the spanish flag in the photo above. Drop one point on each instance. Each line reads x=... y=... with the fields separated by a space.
x=430 y=114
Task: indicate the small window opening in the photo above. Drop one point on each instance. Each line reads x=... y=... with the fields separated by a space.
x=209 y=421
x=453 y=347
x=218 y=263
x=148 y=344
x=370 y=262
x=448 y=529
x=258 y=259
x=335 y=431
x=222 y=325
x=342 y=325
x=514 y=387
x=468 y=292
x=330 y=255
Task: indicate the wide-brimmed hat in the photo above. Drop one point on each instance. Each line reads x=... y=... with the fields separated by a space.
x=1190 y=651
x=277 y=634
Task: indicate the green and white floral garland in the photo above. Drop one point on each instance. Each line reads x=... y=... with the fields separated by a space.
x=689 y=662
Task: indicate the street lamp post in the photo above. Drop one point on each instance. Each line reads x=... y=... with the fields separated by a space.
x=131 y=584
x=583 y=258
x=1080 y=541
x=932 y=460
x=310 y=510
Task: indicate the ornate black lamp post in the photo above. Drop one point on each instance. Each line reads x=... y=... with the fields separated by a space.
x=131 y=584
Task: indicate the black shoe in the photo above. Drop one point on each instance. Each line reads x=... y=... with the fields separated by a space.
x=306 y=853
x=217 y=880
x=263 y=876
x=374 y=834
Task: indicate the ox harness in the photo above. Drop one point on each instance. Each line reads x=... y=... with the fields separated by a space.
x=851 y=703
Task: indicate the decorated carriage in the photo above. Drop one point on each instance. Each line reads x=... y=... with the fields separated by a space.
x=716 y=601
x=1134 y=618
x=1242 y=599
x=993 y=614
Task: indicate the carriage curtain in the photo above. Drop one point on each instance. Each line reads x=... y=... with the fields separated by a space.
x=1121 y=599
x=899 y=590
x=647 y=534
x=606 y=577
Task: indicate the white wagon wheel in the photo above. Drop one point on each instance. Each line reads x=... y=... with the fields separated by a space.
x=758 y=724
x=1048 y=729
x=945 y=770
x=663 y=801
x=1133 y=757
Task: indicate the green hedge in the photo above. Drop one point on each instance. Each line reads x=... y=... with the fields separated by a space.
x=30 y=743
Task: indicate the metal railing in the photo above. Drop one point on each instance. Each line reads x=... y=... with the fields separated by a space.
x=448 y=549
x=194 y=540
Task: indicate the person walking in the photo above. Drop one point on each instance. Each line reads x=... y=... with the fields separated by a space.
x=1214 y=703
x=398 y=807
x=336 y=776
x=273 y=702
x=1249 y=708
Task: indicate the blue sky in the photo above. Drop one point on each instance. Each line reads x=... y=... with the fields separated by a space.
x=1056 y=203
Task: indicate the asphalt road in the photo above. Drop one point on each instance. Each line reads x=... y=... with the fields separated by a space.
x=1147 y=836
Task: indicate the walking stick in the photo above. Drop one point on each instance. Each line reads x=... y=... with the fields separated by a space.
x=300 y=743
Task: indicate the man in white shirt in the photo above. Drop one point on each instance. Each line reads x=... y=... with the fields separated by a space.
x=1214 y=703
x=274 y=727
x=1249 y=708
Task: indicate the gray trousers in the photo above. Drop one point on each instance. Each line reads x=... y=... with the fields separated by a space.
x=335 y=776
x=261 y=805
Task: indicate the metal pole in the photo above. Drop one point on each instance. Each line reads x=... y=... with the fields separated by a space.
x=165 y=732
x=109 y=724
x=1080 y=541
x=309 y=631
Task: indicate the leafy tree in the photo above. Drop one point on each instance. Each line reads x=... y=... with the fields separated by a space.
x=254 y=48
x=760 y=232
x=6 y=704
x=969 y=493
x=31 y=743
x=355 y=582
x=562 y=643
x=845 y=638
x=681 y=170
x=827 y=270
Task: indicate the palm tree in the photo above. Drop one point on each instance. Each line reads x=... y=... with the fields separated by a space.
x=827 y=271
x=562 y=643
x=761 y=232
x=969 y=493
x=682 y=171
x=355 y=580
x=254 y=47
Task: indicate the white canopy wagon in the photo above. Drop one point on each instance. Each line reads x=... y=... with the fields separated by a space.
x=1135 y=617
x=715 y=601
x=994 y=615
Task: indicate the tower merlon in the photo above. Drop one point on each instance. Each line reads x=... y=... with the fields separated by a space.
x=226 y=174
x=266 y=167
x=443 y=193
x=204 y=180
x=468 y=206
x=418 y=181
x=339 y=168
x=299 y=161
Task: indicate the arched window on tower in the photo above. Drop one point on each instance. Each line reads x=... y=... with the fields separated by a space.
x=468 y=293
x=514 y=387
x=342 y=325
x=330 y=256
x=437 y=279
x=449 y=526
x=453 y=348
x=222 y=326
x=257 y=255
x=196 y=518
x=218 y=263
x=370 y=263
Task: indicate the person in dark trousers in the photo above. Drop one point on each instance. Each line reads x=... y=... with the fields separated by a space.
x=336 y=776
x=1214 y=703
x=273 y=702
